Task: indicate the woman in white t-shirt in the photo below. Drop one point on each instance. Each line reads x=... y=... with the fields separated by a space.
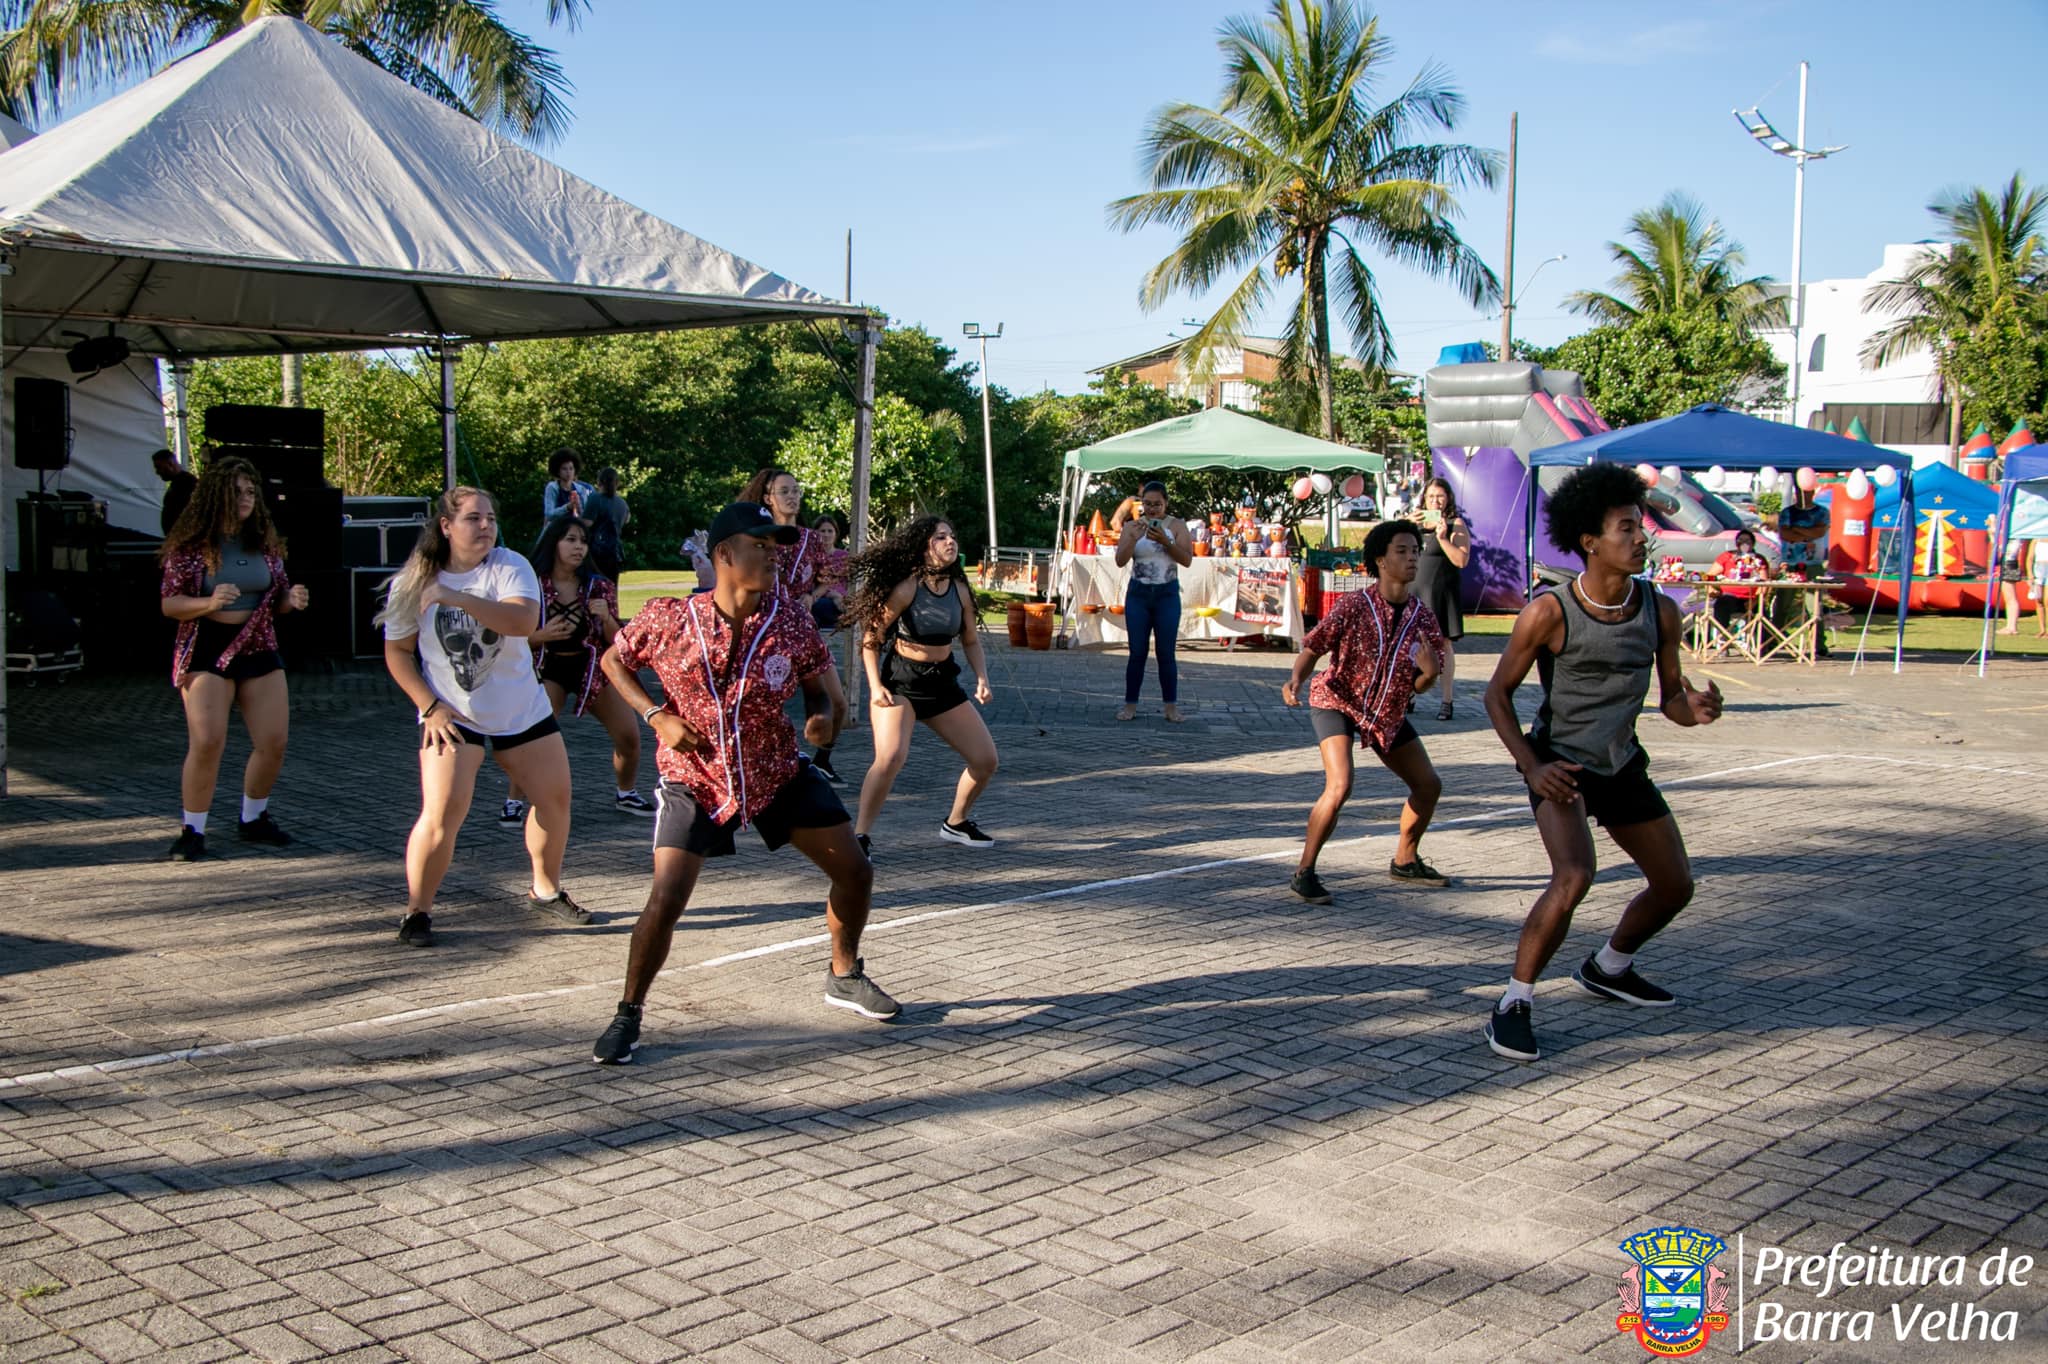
x=455 y=627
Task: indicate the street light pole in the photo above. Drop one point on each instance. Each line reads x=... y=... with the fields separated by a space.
x=1758 y=127
x=973 y=331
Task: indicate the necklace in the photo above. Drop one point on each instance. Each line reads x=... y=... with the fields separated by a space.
x=1621 y=605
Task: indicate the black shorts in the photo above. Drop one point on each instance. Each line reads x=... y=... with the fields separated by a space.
x=806 y=801
x=566 y=671
x=930 y=688
x=1628 y=797
x=213 y=640
x=501 y=743
x=1333 y=724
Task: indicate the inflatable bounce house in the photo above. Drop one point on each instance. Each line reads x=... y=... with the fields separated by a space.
x=1485 y=417
x=1951 y=544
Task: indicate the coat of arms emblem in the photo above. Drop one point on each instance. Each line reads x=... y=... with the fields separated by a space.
x=1675 y=1297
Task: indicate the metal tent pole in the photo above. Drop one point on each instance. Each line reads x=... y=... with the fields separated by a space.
x=448 y=350
x=869 y=337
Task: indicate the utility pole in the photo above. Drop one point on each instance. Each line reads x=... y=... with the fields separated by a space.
x=1758 y=127
x=974 y=331
x=1507 y=281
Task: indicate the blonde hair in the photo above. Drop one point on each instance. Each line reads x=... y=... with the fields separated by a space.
x=429 y=556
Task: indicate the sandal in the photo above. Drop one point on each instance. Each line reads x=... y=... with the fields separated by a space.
x=1128 y=712
x=1173 y=715
x=1444 y=711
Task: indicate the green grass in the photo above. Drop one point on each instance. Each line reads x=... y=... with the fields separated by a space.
x=637 y=587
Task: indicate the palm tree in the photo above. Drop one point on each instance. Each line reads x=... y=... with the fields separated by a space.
x=458 y=51
x=1293 y=172
x=1994 y=263
x=1681 y=261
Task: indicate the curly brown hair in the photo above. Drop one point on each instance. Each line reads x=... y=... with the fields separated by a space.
x=886 y=565
x=213 y=515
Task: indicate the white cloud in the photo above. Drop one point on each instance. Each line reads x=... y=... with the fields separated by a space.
x=1627 y=49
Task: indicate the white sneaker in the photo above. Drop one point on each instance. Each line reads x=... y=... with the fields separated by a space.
x=965 y=832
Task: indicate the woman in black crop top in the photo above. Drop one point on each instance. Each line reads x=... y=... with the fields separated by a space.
x=912 y=602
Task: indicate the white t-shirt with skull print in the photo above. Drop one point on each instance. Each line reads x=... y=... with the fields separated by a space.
x=484 y=677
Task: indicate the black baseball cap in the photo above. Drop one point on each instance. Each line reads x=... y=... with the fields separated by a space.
x=748 y=518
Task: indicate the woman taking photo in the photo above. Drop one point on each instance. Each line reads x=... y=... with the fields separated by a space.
x=607 y=514
x=455 y=628
x=1446 y=549
x=1157 y=548
x=581 y=617
x=224 y=584
x=910 y=603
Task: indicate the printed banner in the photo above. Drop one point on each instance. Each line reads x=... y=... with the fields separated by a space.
x=1262 y=595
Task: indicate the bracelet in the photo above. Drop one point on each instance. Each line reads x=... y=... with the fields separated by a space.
x=431 y=708
x=649 y=714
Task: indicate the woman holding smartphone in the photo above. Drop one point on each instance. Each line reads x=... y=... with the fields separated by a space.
x=1157 y=548
x=1446 y=549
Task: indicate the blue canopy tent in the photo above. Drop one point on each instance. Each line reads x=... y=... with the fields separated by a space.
x=2022 y=515
x=1710 y=435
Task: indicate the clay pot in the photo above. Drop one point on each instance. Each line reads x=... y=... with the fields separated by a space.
x=1016 y=624
x=1038 y=623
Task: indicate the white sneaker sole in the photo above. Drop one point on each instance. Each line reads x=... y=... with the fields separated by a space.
x=963 y=840
x=625 y=1060
x=1618 y=996
x=839 y=1003
x=1499 y=1050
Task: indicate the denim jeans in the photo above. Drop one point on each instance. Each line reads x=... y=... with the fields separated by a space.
x=1152 y=613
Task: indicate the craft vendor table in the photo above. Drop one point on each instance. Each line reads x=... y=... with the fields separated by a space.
x=1757 y=634
x=1095 y=580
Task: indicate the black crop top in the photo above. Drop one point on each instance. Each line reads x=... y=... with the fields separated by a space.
x=931 y=618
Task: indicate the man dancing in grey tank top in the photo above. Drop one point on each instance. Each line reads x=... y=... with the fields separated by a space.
x=1594 y=642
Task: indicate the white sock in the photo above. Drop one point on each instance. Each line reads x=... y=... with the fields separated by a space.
x=1518 y=992
x=625 y=791
x=1611 y=962
x=196 y=822
x=252 y=808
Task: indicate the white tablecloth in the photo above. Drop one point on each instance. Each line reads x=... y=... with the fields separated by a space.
x=1095 y=579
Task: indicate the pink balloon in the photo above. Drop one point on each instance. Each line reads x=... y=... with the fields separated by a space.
x=1808 y=480
x=1647 y=473
x=1302 y=489
x=1354 y=486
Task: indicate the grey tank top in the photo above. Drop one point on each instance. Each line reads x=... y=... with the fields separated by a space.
x=1594 y=686
x=932 y=618
x=245 y=568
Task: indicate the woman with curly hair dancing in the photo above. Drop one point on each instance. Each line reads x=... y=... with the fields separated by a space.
x=224 y=584
x=912 y=601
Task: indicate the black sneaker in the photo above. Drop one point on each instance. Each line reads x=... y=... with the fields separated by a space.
x=416 y=930
x=1419 y=872
x=560 y=907
x=867 y=848
x=263 y=829
x=513 y=816
x=1509 y=1034
x=615 y=1047
x=1628 y=987
x=633 y=803
x=966 y=832
x=858 y=993
x=190 y=847
x=826 y=770
x=1310 y=887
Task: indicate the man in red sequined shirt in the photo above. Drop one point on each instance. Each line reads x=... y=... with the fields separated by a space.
x=1384 y=646
x=729 y=660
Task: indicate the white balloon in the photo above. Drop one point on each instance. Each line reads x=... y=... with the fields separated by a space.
x=1767 y=477
x=1886 y=475
x=1715 y=479
x=1859 y=486
x=1670 y=473
x=1321 y=483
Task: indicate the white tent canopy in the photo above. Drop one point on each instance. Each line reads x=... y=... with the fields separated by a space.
x=277 y=193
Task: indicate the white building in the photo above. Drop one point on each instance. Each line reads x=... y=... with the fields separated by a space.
x=1903 y=398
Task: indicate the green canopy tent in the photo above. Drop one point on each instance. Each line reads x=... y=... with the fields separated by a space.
x=1216 y=438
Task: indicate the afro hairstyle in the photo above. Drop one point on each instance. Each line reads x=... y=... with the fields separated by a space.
x=1580 y=504
x=1381 y=538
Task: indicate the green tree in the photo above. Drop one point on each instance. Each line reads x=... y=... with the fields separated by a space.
x=1978 y=303
x=1660 y=365
x=382 y=433
x=916 y=460
x=1295 y=171
x=1379 y=412
x=1677 y=261
x=458 y=51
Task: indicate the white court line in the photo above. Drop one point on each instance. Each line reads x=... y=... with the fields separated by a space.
x=814 y=940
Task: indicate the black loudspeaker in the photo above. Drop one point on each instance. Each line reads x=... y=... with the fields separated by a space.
x=279 y=466
x=366 y=599
x=309 y=519
x=247 y=424
x=42 y=423
x=322 y=630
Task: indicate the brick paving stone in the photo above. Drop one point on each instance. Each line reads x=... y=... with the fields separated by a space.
x=1179 y=1118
